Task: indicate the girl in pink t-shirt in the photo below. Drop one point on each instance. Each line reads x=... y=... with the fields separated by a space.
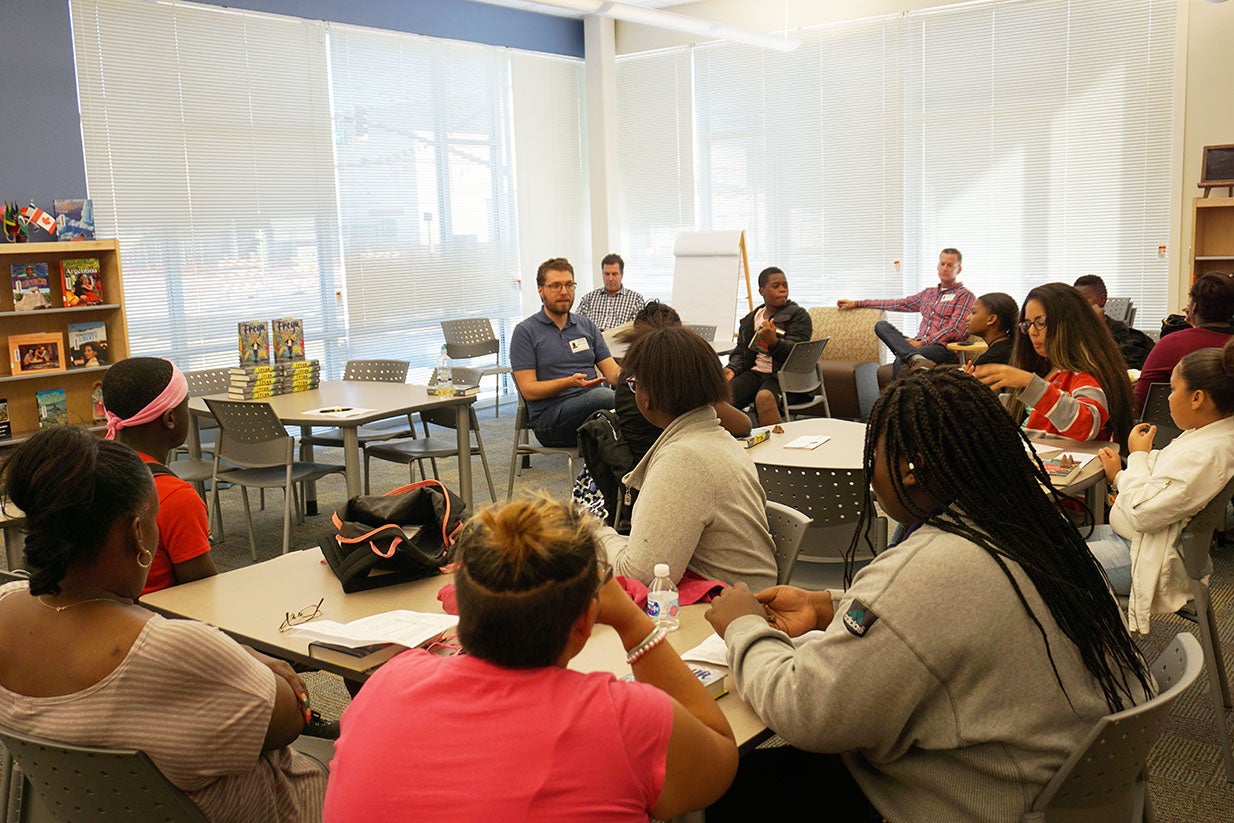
x=507 y=731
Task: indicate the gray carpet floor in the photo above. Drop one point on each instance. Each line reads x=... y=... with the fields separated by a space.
x=1186 y=778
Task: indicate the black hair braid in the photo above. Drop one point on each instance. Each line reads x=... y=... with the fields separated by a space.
x=972 y=459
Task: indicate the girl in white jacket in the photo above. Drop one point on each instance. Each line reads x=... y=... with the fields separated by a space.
x=1161 y=490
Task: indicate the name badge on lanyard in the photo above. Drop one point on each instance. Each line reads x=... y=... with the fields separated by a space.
x=579 y=344
x=946 y=298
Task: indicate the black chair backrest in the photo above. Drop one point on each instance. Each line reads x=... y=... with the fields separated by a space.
x=1157 y=411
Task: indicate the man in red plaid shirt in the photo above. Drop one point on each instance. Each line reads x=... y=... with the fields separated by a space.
x=944 y=316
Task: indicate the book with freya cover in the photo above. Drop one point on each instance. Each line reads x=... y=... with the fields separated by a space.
x=253 y=340
x=288 y=339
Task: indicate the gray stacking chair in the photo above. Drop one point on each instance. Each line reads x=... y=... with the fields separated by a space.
x=93 y=783
x=474 y=337
x=802 y=373
x=253 y=440
x=523 y=446
x=1105 y=779
x=1194 y=543
x=373 y=371
x=788 y=530
x=704 y=331
x=1119 y=308
x=413 y=452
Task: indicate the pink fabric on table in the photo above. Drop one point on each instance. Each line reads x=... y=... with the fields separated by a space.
x=692 y=589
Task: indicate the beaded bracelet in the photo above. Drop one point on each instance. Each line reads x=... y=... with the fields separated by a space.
x=648 y=643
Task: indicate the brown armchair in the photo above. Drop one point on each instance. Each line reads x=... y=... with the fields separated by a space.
x=850 y=361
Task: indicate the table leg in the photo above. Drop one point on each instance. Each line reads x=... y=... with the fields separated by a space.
x=351 y=457
x=462 y=426
x=1096 y=500
x=306 y=456
x=194 y=446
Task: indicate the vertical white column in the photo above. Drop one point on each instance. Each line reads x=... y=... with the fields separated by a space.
x=600 y=53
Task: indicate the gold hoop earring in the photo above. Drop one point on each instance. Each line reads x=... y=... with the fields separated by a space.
x=149 y=557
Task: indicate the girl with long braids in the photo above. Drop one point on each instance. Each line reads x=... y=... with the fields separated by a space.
x=1066 y=367
x=966 y=662
x=1162 y=489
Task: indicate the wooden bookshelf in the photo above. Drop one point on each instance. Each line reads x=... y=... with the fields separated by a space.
x=19 y=389
x=1212 y=235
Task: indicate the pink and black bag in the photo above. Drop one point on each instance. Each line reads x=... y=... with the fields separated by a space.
x=405 y=534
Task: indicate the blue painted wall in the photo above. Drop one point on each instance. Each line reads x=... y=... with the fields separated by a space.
x=40 y=131
x=40 y=128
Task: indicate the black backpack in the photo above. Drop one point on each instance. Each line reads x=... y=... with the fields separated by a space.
x=603 y=447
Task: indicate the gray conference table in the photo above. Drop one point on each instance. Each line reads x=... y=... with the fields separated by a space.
x=250 y=603
x=382 y=402
x=837 y=466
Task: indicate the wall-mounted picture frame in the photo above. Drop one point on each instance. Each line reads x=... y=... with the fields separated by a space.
x=1217 y=170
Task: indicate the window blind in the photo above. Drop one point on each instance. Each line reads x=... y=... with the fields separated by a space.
x=655 y=149
x=258 y=166
x=1035 y=135
x=208 y=153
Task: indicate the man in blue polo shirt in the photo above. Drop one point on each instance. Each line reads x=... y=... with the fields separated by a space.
x=555 y=354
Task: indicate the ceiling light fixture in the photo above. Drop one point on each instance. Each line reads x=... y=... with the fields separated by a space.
x=706 y=29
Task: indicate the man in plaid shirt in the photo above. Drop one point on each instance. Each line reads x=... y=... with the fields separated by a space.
x=944 y=316
x=612 y=305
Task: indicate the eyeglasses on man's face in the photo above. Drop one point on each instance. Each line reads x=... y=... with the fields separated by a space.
x=1039 y=324
x=558 y=288
x=632 y=382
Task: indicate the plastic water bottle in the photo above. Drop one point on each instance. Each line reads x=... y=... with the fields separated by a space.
x=445 y=375
x=662 y=600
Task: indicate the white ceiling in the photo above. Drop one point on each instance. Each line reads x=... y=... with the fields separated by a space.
x=560 y=12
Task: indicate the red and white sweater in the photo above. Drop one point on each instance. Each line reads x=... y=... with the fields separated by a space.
x=1071 y=404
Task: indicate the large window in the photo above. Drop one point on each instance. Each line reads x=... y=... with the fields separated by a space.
x=1035 y=135
x=257 y=166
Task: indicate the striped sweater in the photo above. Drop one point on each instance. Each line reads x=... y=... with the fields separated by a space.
x=199 y=705
x=1072 y=404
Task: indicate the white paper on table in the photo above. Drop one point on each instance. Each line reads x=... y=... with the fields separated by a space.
x=338 y=411
x=406 y=628
x=1045 y=451
x=807 y=442
x=711 y=651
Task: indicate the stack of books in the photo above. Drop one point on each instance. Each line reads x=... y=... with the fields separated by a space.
x=251 y=382
x=299 y=375
x=267 y=380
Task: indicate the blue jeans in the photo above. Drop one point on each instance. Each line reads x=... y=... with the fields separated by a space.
x=1113 y=553
x=903 y=350
x=558 y=424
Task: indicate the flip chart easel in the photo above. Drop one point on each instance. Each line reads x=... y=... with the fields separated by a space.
x=703 y=278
